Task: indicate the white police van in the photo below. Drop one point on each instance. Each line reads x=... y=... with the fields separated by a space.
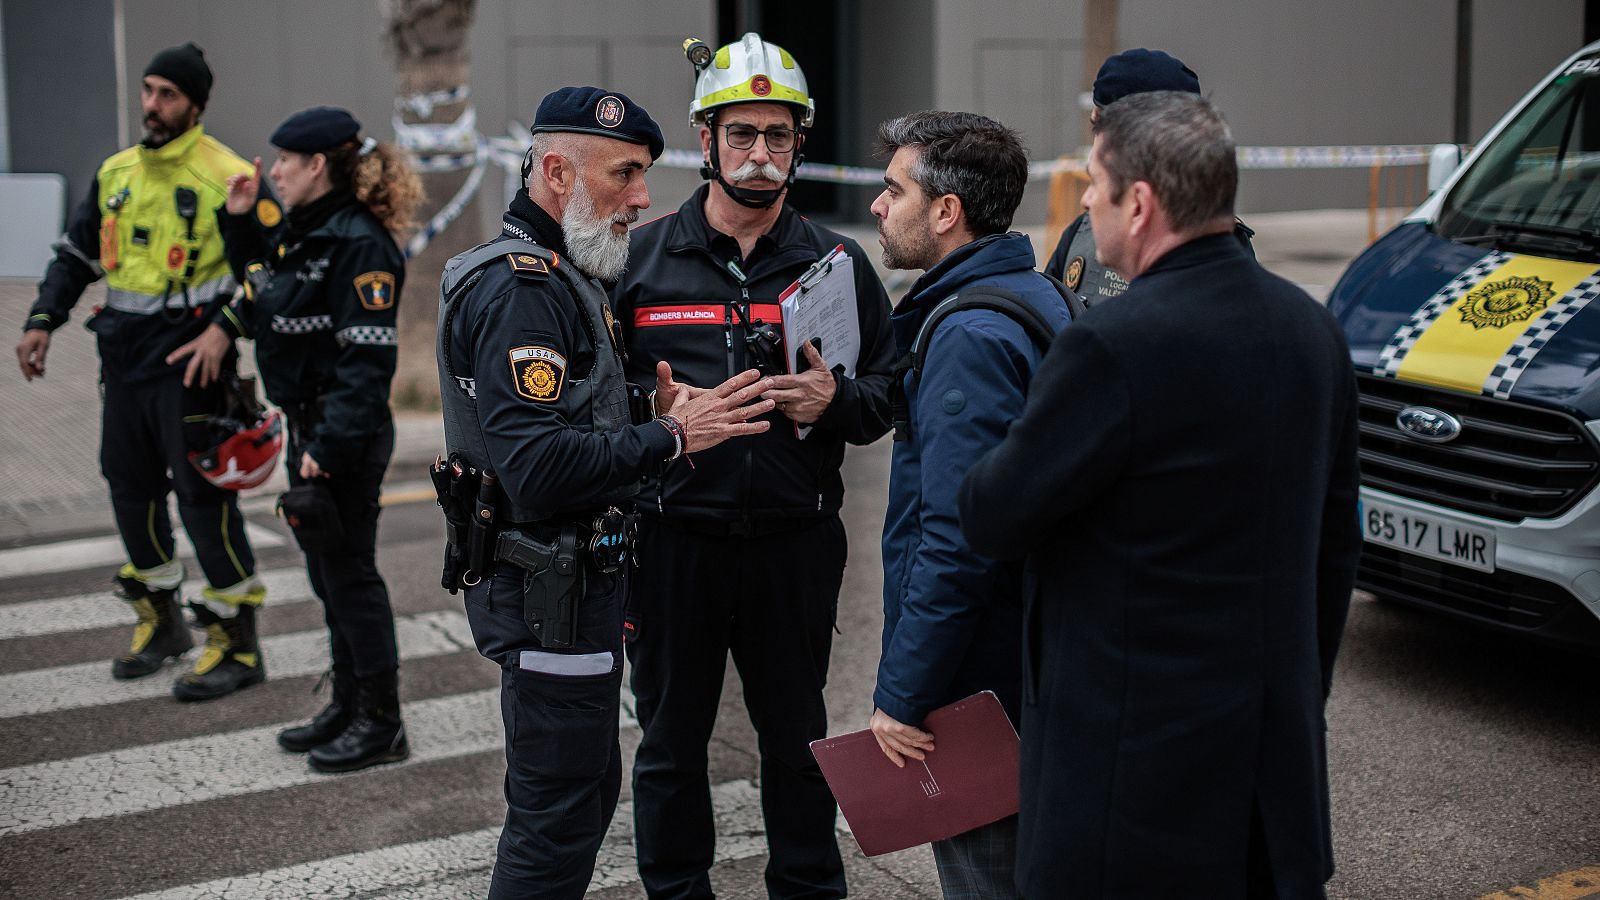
x=1474 y=327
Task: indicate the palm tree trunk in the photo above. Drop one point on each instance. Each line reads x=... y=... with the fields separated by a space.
x=428 y=41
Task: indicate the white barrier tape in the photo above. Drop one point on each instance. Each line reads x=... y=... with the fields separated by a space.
x=508 y=152
x=423 y=104
x=451 y=210
x=460 y=136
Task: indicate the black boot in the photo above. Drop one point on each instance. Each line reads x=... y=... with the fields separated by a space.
x=160 y=634
x=231 y=659
x=375 y=734
x=329 y=723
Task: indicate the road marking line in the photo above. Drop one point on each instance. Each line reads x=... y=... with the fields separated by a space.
x=100 y=609
x=174 y=773
x=1584 y=882
x=286 y=655
x=86 y=553
x=459 y=865
x=402 y=495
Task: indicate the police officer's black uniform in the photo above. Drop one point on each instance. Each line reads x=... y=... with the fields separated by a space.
x=743 y=552
x=533 y=390
x=321 y=290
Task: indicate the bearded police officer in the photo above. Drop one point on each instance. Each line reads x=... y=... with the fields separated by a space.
x=547 y=447
x=1129 y=72
x=149 y=226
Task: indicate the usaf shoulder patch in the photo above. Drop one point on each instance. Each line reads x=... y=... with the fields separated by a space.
x=537 y=372
x=526 y=265
x=1074 y=273
x=268 y=213
x=376 y=290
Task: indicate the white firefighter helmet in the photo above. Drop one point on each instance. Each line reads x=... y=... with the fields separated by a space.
x=750 y=71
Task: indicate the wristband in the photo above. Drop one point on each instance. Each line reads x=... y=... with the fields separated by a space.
x=674 y=427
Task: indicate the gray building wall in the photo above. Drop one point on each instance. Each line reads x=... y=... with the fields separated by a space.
x=1284 y=71
x=61 y=113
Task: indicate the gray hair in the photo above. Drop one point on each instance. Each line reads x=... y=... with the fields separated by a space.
x=560 y=143
x=980 y=161
x=1179 y=144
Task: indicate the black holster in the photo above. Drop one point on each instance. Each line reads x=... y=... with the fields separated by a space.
x=552 y=583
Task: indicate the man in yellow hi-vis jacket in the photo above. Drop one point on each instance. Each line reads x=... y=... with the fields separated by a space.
x=149 y=226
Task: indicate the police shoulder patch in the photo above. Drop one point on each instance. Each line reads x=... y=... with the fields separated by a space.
x=526 y=265
x=376 y=290
x=268 y=212
x=1074 y=274
x=537 y=372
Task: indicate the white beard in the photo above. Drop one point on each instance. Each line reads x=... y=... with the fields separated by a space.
x=592 y=246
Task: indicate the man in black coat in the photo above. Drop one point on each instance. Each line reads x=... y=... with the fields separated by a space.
x=1183 y=482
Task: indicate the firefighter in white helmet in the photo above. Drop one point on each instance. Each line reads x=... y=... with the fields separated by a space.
x=744 y=547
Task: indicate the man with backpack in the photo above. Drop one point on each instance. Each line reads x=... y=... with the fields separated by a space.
x=970 y=334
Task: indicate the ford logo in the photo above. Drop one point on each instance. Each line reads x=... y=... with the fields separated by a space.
x=1428 y=424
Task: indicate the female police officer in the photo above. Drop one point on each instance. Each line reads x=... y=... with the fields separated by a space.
x=321 y=284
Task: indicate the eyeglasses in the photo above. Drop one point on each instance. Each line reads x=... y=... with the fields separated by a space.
x=779 y=140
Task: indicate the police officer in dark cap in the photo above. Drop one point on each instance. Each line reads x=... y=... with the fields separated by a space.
x=322 y=281
x=548 y=446
x=1129 y=72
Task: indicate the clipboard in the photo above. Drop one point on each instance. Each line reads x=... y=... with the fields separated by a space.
x=820 y=306
x=972 y=778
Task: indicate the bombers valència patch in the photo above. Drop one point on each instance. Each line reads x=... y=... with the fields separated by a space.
x=1496 y=304
x=538 y=373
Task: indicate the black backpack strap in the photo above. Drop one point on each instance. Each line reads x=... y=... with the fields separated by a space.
x=993 y=299
x=1075 y=305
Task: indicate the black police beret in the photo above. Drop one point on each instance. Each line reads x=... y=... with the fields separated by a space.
x=185 y=67
x=592 y=110
x=1140 y=72
x=316 y=129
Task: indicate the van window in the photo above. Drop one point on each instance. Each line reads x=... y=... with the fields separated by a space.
x=1537 y=186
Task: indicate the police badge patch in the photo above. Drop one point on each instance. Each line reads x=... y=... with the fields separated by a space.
x=1074 y=273
x=1499 y=303
x=608 y=112
x=537 y=373
x=376 y=290
x=268 y=213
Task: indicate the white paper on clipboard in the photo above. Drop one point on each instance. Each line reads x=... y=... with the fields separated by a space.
x=821 y=304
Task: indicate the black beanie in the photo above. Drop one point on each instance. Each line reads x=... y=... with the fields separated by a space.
x=185 y=67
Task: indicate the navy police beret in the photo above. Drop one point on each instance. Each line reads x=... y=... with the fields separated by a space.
x=592 y=110
x=1139 y=72
x=316 y=129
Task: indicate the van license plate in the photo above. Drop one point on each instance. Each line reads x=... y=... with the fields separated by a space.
x=1427 y=536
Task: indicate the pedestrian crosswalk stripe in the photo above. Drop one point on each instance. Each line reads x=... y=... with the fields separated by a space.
x=100 y=609
x=459 y=865
x=285 y=655
x=174 y=773
x=86 y=553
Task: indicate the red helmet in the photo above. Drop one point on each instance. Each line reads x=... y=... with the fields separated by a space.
x=244 y=459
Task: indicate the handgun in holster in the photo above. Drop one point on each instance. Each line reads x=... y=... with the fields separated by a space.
x=551 y=585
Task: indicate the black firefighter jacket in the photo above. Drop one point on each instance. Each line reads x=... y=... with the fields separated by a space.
x=681 y=302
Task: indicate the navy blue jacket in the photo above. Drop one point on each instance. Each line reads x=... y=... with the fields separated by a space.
x=952 y=619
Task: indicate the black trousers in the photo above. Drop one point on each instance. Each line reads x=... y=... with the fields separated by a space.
x=563 y=761
x=144 y=446
x=355 y=601
x=770 y=601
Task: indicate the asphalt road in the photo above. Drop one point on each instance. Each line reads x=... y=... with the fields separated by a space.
x=1463 y=764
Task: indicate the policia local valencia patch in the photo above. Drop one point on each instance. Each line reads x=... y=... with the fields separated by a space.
x=538 y=373
x=376 y=290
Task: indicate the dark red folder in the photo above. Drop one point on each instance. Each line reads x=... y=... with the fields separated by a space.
x=970 y=778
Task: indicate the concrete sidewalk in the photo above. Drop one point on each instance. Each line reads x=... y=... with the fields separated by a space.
x=50 y=484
